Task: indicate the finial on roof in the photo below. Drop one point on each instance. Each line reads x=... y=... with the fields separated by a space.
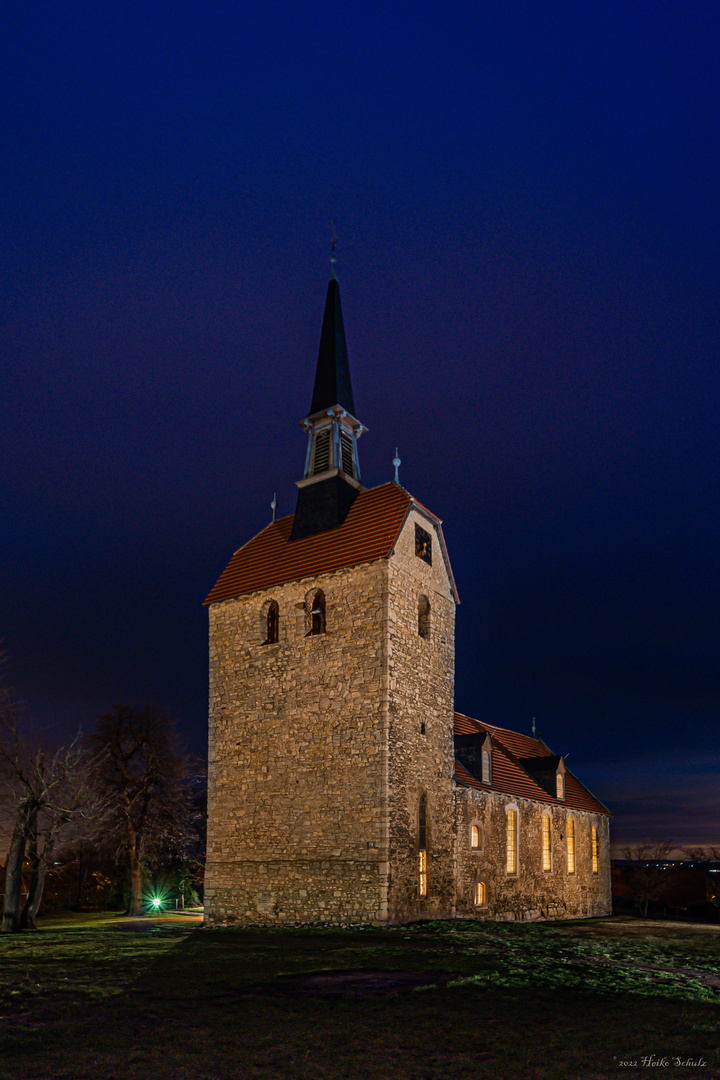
x=333 y=246
x=274 y=505
x=397 y=463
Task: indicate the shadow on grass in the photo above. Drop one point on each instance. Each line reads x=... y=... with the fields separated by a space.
x=411 y=1003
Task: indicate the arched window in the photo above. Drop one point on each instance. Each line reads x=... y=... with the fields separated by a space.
x=570 y=846
x=480 y=894
x=475 y=836
x=594 y=845
x=511 y=843
x=560 y=785
x=315 y=613
x=486 y=779
x=273 y=623
x=546 y=849
x=422 y=846
x=424 y=617
x=269 y=628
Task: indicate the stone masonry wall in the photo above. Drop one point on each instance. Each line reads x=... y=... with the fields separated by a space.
x=531 y=893
x=297 y=828
x=421 y=692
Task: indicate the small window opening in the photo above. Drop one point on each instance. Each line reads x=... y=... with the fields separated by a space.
x=594 y=843
x=321 y=460
x=474 y=837
x=317 y=614
x=511 y=844
x=570 y=846
x=273 y=623
x=480 y=896
x=485 y=767
x=560 y=785
x=546 y=843
x=422 y=728
x=424 y=617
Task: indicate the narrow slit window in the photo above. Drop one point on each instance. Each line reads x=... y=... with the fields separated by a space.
x=424 y=617
x=546 y=852
x=571 y=846
x=594 y=843
x=480 y=893
x=485 y=767
x=511 y=844
x=422 y=846
x=474 y=837
x=560 y=785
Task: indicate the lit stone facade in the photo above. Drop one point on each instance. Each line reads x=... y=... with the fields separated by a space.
x=531 y=893
x=317 y=759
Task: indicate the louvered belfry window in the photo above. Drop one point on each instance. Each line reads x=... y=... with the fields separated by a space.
x=346 y=453
x=321 y=460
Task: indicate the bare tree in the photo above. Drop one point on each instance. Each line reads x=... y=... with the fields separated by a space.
x=144 y=778
x=648 y=875
x=48 y=795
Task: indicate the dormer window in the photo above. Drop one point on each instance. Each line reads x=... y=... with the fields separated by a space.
x=486 y=774
x=560 y=785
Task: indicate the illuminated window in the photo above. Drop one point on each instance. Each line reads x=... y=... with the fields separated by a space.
x=480 y=893
x=475 y=837
x=422 y=845
x=560 y=786
x=594 y=843
x=546 y=852
x=485 y=767
x=424 y=617
x=570 y=846
x=422 y=872
x=511 y=848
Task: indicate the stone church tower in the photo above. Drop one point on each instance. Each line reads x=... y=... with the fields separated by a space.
x=331 y=694
x=342 y=786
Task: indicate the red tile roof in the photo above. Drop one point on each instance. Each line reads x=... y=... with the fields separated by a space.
x=508 y=774
x=270 y=558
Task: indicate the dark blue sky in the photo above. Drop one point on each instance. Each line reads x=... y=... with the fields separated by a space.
x=527 y=204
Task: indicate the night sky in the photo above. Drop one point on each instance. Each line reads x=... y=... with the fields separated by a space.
x=526 y=199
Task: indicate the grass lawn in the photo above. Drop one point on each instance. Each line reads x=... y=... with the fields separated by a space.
x=111 y=998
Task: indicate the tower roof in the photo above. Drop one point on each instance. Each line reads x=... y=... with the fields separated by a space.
x=368 y=533
x=332 y=376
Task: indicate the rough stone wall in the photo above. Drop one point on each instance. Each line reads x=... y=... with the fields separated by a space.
x=297 y=828
x=531 y=893
x=421 y=676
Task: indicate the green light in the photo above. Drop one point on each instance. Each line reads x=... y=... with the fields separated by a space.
x=156 y=902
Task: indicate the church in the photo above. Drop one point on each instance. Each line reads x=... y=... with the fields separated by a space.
x=343 y=786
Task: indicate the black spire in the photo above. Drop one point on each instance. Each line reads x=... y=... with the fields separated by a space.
x=332 y=376
x=332 y=471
